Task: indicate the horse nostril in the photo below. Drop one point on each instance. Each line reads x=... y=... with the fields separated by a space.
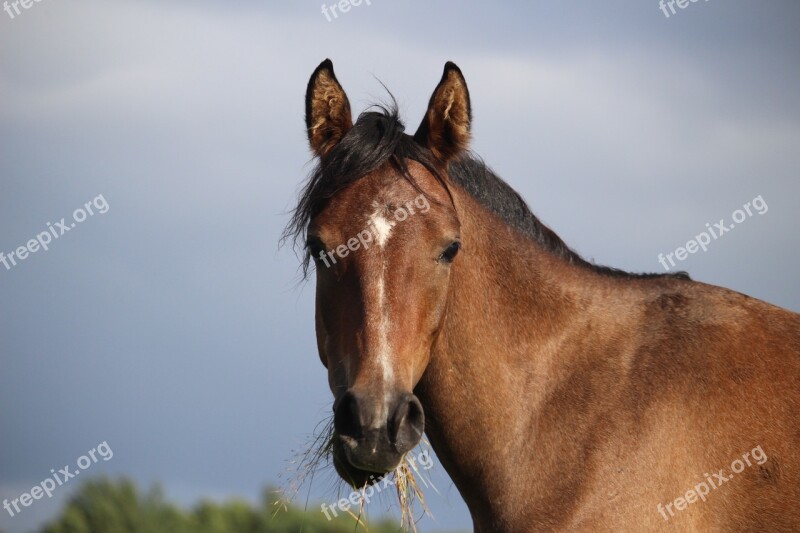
x=347 y=417
x=407 y=424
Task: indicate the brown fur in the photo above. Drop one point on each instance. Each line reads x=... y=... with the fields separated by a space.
x=556 y=397
x=608 y=397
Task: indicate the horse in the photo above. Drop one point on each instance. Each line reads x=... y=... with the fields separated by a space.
x=559 y=395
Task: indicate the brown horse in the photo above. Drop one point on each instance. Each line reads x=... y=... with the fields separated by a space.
x=558 y=395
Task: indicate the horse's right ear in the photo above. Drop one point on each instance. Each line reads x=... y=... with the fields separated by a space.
x=328 y=115
x=445 y=130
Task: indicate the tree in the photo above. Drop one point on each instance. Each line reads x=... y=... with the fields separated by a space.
x=116 y=506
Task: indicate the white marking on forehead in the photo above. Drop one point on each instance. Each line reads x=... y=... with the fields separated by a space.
x=383 y=354
x=383 y=332
x=383 y=228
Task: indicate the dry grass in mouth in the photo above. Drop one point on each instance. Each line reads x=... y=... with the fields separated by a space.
x=318 y=454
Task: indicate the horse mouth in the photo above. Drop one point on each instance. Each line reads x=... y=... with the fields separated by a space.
x=352 y=474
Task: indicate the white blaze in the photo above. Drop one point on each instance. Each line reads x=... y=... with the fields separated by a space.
x=383 y=228
x=383 y=332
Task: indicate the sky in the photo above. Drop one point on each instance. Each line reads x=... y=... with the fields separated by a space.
x=174 y=328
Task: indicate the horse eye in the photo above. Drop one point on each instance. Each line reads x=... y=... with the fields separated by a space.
x=315 y=246
x=450 y=252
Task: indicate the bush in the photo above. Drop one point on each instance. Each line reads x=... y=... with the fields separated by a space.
x=117 y=506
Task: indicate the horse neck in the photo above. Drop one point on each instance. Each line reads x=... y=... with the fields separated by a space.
x=515 y=313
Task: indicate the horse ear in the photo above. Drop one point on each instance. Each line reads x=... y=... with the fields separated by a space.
x=328 y=115
x=446 y=126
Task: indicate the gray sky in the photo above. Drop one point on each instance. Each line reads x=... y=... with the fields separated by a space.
x=172 y=327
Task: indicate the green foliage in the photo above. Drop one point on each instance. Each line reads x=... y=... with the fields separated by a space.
x=117 y=506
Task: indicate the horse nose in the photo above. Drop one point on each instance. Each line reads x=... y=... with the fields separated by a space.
x=377 y=432
x=407 y=423
x=347 y=419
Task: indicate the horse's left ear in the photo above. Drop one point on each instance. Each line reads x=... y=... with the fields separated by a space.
x=446 y=126
x=328 y=115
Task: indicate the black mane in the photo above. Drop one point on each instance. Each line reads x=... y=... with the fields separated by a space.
x=379 y=137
